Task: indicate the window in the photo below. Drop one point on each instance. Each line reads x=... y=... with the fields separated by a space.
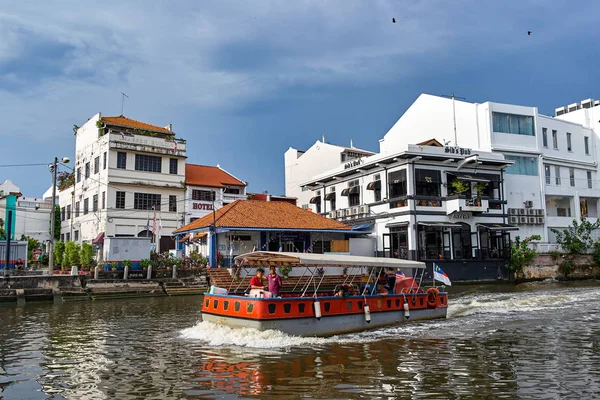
x=69 y=211
x=589 y=179
x=512 y=123
x=354 y=195
x=104 y=161
x=397 y=183
x=86 y=206
x=332 y=199
x=120 y=200
x=146 y=201
x=428 y=182
x=557 y=177
x=68 y=237
x=231 y=190
x=586 y=144
x=202 y=195
x=377 y=191
x=554 y=139
x=522 y=165
x=62 y=214
x=547 y=172
x=76 y=236
x=96 y=165
x=173 y=203
x=77 y=205
x=103 y=200
x=569 y=147
x=87 y=170
x=79 y=174
x=62 y=237
x=544 y=137
x=572 y=177
x=173 y=166
x=121 y=160
x=95 y=203
x=148 y=163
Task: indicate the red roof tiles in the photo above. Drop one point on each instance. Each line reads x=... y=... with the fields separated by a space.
x=132 y=123
x=205 y=175
x=265 y=214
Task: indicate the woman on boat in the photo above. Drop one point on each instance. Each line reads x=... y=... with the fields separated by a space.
x=257 y=280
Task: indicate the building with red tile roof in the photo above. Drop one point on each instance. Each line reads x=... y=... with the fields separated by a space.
x=206 y=175
x=124 y=122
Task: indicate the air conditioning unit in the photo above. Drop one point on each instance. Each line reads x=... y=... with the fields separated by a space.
x=531 y=211
x=364 y=209
x=332 y=214
x=355 y=210
x=528 y=204
x=340 y=213
x=540 y=212
x=532 y=220
x=513 y=211
x=347 y=212
x=522 y=211
x=513 y=220
x=540 y=220
x=522 y=220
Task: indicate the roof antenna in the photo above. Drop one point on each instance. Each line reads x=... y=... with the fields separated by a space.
x=323 y=139
x=351 y=145
x=123 y=102
x=454 y=115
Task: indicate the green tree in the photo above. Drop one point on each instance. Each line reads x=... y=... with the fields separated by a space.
x=2 y=231
x=520 y=253
x=86 y=254
x=32 y=244
x=59 y=251
x=56 y=223
x=577 y=238
x=71 y=256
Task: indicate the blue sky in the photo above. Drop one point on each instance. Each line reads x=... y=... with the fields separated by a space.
x=244 y=81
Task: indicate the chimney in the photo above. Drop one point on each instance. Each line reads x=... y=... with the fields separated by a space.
x=323 y=139
x=169 y=127
x=351 y=145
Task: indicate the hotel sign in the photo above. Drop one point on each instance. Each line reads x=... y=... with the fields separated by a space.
x=202 y=206
x=457 y=150
x=353 y=163
x=461 y=215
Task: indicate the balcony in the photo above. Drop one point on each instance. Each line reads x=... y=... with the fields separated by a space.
x=148 y=144
x=466 y=204
x=230 y=198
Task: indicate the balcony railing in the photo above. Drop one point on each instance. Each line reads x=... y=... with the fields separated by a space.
x=463 y=203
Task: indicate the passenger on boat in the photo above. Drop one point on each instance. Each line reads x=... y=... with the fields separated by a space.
x=382 y=290
x=274 y=281
x=257 y=280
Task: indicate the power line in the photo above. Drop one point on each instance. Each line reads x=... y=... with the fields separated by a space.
x=23 y=165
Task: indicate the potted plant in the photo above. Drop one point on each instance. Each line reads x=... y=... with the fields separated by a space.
x=126 y=263
x=145 y=263
x=459 y=187
x=285 y=270
x=423 y=203
x=113 y=266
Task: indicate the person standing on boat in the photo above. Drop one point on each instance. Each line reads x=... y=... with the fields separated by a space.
x=274 y=282
x=257 y=280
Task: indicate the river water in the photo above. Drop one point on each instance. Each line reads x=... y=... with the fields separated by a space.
x=528 y=341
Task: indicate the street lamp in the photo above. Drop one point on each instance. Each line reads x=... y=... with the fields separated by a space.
x=53 y=168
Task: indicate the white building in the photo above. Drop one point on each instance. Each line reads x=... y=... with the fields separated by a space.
x=201 y=181
x=129 y=181
x=32 y=214
x=301 y=166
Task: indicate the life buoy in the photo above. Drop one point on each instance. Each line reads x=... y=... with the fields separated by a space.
x=432 y=297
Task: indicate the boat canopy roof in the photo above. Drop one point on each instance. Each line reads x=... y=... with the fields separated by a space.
x=307 y=259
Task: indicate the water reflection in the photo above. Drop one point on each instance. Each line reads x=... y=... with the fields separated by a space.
x=538 y=342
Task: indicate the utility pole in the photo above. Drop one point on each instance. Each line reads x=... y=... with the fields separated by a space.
x=214 y=227
x=52 y=216
x=8 y=231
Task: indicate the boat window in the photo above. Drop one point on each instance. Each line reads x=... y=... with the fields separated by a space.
x=379 y=303
x=389 y=303
x=249 y=307
x=225 y=305
x=272 y=308
x=349 y=304
x=360 y=305
x=207 y=303
x=215 y=304
x=301 y=307
x=421 y=301
x=236 y=306
x=287 y=307
x=397 y=302
x=327 y=307
x=441 y=300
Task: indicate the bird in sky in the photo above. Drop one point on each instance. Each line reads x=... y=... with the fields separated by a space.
x=394 y=20
x=528 y=33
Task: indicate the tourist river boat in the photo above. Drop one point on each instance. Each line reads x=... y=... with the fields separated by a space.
x=309 y=311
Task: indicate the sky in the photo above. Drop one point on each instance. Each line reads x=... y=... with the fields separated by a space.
x=242 y=81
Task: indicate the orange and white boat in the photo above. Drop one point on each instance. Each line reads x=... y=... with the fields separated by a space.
x=309 y=311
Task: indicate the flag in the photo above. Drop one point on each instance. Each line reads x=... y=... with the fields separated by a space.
x=231 y=252
x=175 y=148
x=399 y=274
x=154 y=222
x=254 y=249
x=159 y=223
x=440 y=275
x=280 y=249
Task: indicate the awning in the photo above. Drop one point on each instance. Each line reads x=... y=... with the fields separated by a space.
x=330 y=196
x=440 y=224
x=396 y=224
x=469 y=178
x=315 y=200
x=199 y=236
x=362 y=227
x=499 y=227
x=374 y=185
x=185 y=238
x=99 y=239
x=354 y=190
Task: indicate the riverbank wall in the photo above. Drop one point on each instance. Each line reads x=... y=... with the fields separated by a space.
x=560 y=267
x=20 y=289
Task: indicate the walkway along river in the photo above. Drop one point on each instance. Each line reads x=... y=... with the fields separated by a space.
x=533 y=340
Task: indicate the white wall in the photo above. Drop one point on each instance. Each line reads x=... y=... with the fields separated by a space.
x=30 y=221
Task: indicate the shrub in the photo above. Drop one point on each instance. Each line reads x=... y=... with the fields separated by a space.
x=577 y=238
x=59 y=251
x=555 y=255
x=86 y=254
x=566 y=267
x=596 y=253
x=520 y=253
x=145 y=263
x=71 y=255
x=126 y=263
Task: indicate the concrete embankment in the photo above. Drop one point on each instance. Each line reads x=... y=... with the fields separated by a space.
x=563 y=267
x=75 y=287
